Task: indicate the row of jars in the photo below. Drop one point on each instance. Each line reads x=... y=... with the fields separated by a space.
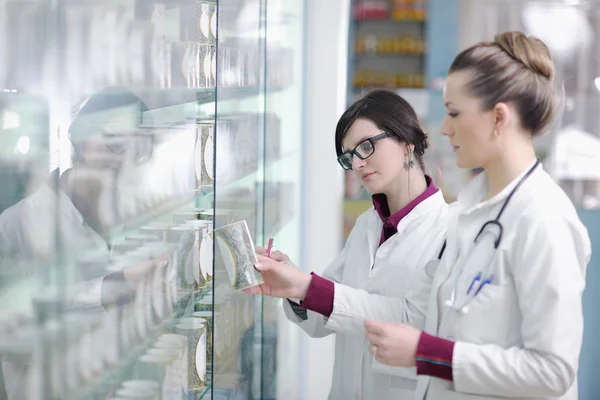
x=77 y=347
x=403 y=44
x=106 y=45
x=366 y=78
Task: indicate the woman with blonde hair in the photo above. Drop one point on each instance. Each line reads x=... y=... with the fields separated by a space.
x=505 y=310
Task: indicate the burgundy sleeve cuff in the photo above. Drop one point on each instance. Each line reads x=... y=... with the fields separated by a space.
x=319 y=296
x=434 y=356
x=115 y=290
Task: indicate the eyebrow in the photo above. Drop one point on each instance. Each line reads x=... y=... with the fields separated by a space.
x=359 y=142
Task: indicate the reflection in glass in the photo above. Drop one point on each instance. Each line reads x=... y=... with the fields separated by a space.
x=130 y=131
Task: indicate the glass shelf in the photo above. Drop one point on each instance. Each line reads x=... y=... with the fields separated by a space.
x=133 y=133
x=157 y=99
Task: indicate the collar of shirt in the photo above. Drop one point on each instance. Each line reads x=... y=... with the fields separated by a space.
x=470 y=198
x=390 y=222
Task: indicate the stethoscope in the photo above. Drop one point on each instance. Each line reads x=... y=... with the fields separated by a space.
x=482 y=278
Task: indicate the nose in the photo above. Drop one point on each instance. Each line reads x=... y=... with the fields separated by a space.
x=357 y=163
x=446 y=127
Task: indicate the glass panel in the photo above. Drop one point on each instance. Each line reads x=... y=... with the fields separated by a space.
x=283 y=173
x=239 y=190
x=101 y=268
x=132 y=132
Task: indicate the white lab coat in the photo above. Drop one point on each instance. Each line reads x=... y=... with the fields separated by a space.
x=522 y=335
x=28 y=239
x=365 y=275
x=28 y=232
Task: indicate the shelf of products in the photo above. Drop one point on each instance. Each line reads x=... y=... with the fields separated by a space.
x=401 y=44
x=407 y=10
x=374 y=79
x=401 y=10
x=389 y=51
x=146 y=158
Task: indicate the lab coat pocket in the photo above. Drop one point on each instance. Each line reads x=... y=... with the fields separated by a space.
x=399 y=382
x=488 y=316
x=402 y=383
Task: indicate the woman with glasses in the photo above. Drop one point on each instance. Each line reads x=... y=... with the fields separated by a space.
x=380 y=139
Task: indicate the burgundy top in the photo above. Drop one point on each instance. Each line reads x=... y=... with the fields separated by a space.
x=390 y=222
x=320 y=294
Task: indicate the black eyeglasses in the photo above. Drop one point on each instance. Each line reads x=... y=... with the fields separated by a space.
x=363 y=150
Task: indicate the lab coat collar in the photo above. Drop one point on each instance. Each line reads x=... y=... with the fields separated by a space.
x=422 y=209
x=420 y=206
x=470 y=197
x=381 y=205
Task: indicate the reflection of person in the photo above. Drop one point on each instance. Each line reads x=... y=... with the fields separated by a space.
x=72 y=214
x=79 y=205
x=505 y=317
x=380 y=140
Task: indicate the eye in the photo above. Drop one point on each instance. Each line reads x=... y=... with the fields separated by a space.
x=452 y=114
x=365 y=147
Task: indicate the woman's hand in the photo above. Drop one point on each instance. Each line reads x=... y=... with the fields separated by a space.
x=275 y=255
x=393 y=344
x=281 y=280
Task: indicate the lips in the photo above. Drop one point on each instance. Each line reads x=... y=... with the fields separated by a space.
x=367 y=176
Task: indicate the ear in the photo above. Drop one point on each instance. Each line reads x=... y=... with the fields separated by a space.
x=410 y=148
x=502 y=116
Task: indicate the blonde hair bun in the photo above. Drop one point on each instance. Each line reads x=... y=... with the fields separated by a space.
x=514 y=68
x=528 y=50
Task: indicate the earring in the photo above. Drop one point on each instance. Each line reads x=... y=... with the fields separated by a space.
x=496 y=133
x=409 y=163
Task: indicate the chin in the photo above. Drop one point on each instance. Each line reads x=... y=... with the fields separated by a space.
x=371 y=189
x=466 y=164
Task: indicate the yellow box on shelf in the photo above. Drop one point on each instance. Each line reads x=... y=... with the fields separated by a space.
x=352 y=210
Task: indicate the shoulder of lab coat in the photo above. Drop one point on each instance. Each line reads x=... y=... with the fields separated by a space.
x=27 y=237
x=314 y=323
x=352 y=306
x=25 y=231
x=549 y=259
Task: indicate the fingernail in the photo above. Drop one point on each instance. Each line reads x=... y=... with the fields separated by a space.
x=258 y=266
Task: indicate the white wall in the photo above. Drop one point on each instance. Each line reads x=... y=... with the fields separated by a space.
x=326 y=70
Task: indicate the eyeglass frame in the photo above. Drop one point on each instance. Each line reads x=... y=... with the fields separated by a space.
x=353 y=152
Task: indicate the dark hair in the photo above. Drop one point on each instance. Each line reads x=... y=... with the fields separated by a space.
x=513 y=68
x=98 y=110
x=392 y=114
x=109 y=99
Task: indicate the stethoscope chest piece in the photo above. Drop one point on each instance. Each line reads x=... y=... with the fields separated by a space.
x=464 y=310
x=431 y=267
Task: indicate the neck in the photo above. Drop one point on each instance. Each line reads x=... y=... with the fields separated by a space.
x=399 y=197
x=506 y=168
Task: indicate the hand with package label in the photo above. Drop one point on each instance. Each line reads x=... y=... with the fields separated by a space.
x=281 y=279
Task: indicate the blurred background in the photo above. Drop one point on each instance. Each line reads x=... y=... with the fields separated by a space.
x=144 y=144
